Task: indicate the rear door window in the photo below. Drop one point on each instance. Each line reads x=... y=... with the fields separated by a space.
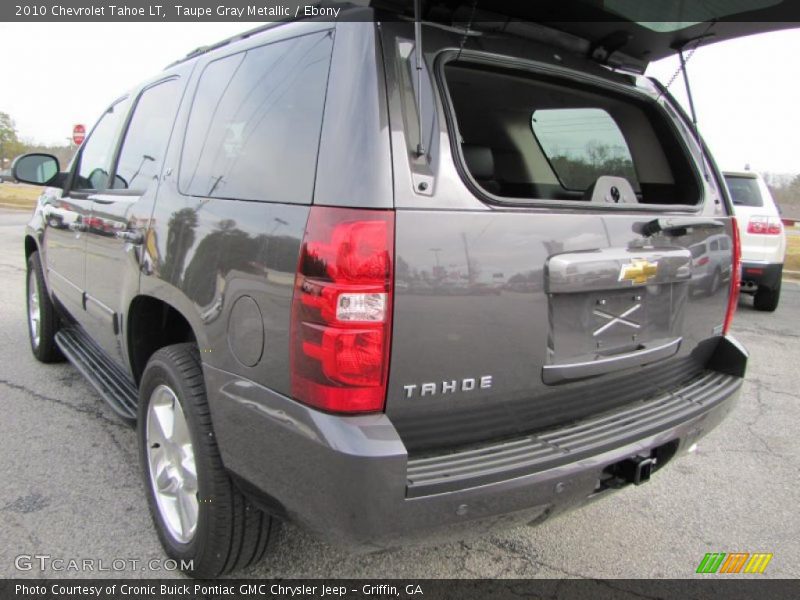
x=744 y=191
x=254 y=128
x=583 y=144
x=143 y=150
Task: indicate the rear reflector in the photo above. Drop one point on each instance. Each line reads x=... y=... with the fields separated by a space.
x=736 y=278
x=341 y=311
x=764 y=225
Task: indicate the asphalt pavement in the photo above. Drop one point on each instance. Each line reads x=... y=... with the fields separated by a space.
x=72 y=489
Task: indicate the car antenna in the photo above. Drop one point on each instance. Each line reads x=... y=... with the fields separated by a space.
x=418 y=65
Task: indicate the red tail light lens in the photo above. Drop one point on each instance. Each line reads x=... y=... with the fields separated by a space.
x=763 y=225
x=736 y=278
x=341 y=311
x=702 y=261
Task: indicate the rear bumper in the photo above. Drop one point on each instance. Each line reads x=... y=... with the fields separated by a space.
x=350 y=479
x=766 y=274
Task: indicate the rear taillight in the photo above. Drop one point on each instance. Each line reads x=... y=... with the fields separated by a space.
x=764 y=225
x=701 y=261
x=342 y=310
x=736 y=278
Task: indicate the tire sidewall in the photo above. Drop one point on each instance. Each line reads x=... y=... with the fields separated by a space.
x=47 y=350
x=767 y=299
x=161 y=371
x=33 y=270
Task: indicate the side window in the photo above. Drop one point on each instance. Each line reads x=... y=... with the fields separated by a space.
x=253 y=132
x=98 y=151
x=725 y=243
x=582 y=144
x=146 y=140
x=715 y=245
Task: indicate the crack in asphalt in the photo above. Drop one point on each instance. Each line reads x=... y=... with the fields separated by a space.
x=760 y=383
x=85 y=409
x=762 y=330
x=762 y=408
x=12 y=267
x=27 y=504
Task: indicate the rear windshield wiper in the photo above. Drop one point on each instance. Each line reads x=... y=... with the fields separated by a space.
x=677 y=226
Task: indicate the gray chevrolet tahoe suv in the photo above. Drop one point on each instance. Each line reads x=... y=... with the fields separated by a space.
x=385 y=295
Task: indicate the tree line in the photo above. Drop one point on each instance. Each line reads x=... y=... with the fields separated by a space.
x=11 y=145
x=577 y=172
x=786 y=191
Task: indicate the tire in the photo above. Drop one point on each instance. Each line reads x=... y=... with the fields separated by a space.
x=43 y=321
x=230 y=532
x=766 y=299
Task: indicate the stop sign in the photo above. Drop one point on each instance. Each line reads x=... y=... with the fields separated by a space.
x=78 y=134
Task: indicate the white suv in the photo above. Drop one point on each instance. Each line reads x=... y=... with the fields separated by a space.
x=762 y=236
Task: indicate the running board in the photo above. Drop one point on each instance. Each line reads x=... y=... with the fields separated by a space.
x=111 y=382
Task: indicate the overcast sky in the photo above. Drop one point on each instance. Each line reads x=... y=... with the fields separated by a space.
x=53 y=75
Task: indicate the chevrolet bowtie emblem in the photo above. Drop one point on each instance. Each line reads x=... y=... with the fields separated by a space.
x=638 y=271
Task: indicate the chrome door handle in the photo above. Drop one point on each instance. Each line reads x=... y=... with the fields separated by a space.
x=131 y=237
x=648 y=353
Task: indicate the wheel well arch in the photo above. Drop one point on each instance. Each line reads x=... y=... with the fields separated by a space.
x=153 y=324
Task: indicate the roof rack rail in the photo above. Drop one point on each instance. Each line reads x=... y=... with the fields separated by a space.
x=234 y=38
x=251 y=32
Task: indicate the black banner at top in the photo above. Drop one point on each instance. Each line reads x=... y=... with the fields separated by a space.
x=563 y=11
x=187 y=11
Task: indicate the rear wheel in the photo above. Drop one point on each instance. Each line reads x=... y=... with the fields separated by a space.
x=43 y=321
x=766 y=298
x=200 y=516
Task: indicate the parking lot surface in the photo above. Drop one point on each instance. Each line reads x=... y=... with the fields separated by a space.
x=72 y=489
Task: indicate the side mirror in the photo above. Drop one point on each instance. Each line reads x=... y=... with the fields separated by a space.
x=38 y=169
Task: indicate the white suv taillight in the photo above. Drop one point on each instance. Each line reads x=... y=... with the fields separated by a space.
x=342 y=310
x=736 y=277
x=764 y=225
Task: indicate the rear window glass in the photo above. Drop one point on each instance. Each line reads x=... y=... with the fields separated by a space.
x=525 y=137
x=744 y=191
x=254 y=129
x=582 y=144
